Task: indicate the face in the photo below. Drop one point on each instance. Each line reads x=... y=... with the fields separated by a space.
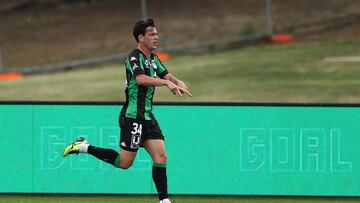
x=150 y=39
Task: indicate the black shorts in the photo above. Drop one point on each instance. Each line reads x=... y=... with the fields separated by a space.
x=134 y=132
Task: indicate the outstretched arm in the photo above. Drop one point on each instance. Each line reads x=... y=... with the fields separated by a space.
x=144 y=80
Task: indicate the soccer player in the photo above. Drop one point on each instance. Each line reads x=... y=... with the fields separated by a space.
x=139 y=127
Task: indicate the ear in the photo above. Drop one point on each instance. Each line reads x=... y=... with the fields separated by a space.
x=141 y=38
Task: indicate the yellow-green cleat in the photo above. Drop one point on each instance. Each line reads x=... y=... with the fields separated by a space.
x=73 y=148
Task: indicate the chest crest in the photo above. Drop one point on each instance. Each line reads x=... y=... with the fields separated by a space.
x=154 y=64
x=147 y=64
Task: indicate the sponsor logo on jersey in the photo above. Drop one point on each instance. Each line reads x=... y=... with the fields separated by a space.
x=135 y=66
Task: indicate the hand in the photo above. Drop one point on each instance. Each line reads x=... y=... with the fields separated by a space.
x=173 y=88
x=183 y=88
x=181 y=84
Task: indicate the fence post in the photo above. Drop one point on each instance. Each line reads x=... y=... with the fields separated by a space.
x=269 y=17
x=144 y=9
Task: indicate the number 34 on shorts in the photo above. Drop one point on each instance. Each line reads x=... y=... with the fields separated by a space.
x=136 y=135
x=134 y=132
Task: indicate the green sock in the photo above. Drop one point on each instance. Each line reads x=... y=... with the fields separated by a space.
x=117 y=162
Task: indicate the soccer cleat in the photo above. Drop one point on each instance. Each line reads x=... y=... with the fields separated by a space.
x=166 y=201
x=73 y=148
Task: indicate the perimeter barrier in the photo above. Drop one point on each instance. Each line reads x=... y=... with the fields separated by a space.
x=213 y=148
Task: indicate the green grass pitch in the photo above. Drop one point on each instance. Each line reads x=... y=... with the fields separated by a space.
x=178 y=199
x=297 y=72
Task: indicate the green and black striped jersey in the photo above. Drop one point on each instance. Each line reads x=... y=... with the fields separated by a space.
x=139 y=99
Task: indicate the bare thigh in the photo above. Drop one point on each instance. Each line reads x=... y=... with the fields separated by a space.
x=126 y=158
x=156 y=149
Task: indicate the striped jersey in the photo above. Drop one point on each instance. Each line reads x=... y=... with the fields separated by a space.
x=139 y=99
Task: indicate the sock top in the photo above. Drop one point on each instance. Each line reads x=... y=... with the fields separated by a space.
x=162 y=165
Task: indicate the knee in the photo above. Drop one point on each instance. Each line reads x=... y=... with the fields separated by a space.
x=160 y=158
x=125 y=165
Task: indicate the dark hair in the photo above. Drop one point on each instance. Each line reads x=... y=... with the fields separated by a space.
x=140 y=27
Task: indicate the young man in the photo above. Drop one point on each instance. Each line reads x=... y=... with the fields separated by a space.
x=138 y=125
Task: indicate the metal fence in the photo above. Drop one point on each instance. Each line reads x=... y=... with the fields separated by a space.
x=85 y=63
x=77 y=35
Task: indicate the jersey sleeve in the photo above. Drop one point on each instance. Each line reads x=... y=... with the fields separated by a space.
x=161 y=71
x=134 y=65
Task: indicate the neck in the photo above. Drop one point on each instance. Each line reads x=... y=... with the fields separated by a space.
x=144 y=50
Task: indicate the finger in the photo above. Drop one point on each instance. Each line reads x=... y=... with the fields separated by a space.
x=183 y=86
x=185 y=91
x=188 y=93
x=178 y=90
